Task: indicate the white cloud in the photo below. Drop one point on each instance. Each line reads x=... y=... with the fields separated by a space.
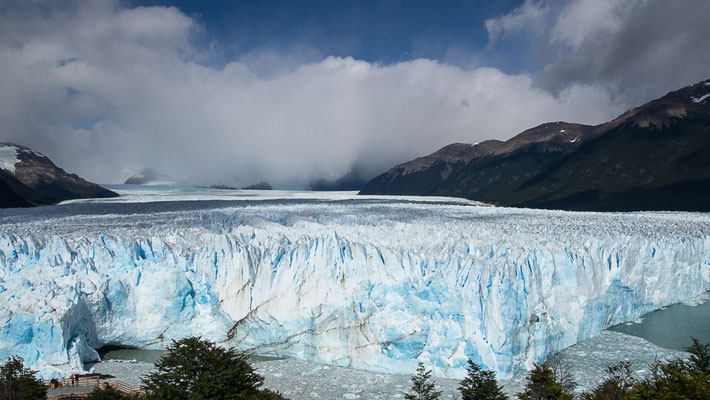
x=530 y=13
x=106 y=91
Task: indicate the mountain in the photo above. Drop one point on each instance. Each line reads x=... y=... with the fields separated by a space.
x=262 y=185
x=654 y=157
x=422 y=175
x=355 y=179
x=29 y=178
x=148 y=176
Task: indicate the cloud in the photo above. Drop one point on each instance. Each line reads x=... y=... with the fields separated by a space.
x=634 y=49
x=524 y=17
x=105 y=91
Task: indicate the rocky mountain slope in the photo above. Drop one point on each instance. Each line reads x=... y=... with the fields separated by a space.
x=655 y=157
x=148 y=177
x=355 y=179
x=28 y=178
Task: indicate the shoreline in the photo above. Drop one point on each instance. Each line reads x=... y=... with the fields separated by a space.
x=301 y=380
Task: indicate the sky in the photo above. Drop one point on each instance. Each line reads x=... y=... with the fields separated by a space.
x=234 y=92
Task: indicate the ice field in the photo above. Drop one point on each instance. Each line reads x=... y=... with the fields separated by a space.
x=371 y=283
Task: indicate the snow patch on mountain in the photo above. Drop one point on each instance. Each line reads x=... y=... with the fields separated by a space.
x=8 y=158
x=700 y=99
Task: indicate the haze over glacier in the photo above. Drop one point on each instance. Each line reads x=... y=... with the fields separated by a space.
x=366 y=282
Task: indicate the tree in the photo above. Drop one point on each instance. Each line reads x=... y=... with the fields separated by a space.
x=422 y=387
x=674 y=380
x=542 y=385
x=267 y=394
x=562 y=372
x=197 y=369
x=18 y=382
x=678 y=379
x=480 y=385
x=699 y=356
x=617 y=386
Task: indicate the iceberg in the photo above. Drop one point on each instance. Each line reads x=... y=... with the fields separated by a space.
x=372 y=283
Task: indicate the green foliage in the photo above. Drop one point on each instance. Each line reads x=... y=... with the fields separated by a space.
x=674 y=380
x=699 y=357
x=480 y=385
x=617 y=386
x=107 y=393
x=267 y=394
x=18 y=382
x=562 y=372
x=543 y=385
x=422 y=387
x=196 y=369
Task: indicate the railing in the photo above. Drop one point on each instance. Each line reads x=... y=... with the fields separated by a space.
x=66 y=396
x=89 y=381
x=124 y=387
x=81 y=381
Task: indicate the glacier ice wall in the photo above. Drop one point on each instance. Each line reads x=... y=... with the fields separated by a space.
x=370 y=284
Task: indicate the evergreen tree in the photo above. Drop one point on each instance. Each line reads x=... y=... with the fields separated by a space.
x=542 y=385
x=196 y=369
x=267 y=394
x=422 y=387
x=699 y=356
x=480 y=385
x=674 y=380
x=18 y=382
x=617 y=386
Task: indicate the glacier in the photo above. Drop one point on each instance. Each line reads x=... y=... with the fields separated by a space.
x=372 y=283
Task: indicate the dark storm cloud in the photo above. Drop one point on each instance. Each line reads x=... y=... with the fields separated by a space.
x=635 y=49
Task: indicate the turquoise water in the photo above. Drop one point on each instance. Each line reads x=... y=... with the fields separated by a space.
x=672 y=327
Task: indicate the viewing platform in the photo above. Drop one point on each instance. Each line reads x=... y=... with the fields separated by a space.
x=84 y=384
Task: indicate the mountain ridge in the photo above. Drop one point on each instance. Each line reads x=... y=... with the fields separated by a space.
x=658 y=149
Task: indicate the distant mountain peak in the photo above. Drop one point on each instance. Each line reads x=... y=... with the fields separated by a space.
x=29 y=178
x=148 y=176
x=677 y=104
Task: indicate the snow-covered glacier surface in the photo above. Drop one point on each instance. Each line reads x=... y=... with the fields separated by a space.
x=366 y=282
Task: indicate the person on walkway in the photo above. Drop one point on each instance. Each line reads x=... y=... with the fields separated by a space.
x=72 y=379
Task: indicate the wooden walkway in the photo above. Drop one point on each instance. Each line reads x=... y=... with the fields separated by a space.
x=83 y=386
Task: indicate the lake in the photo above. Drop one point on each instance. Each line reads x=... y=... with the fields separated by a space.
x=673 y=326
